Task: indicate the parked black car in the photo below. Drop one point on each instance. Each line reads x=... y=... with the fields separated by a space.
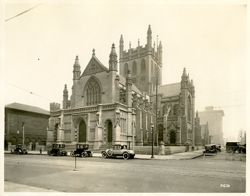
x=232 y=146
x=210 y=148
x=57 y=150
x=242 y=148
x=82 y=150
x=19 y=149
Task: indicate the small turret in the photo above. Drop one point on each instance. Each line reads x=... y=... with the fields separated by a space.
x=113 y=59
x=121 y=47
x=160 y=54
x=76 y=69
x=149 y=37
x=65 y=97
x=184 y=75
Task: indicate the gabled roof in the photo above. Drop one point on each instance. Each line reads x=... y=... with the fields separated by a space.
x=94 y=66
x=170 y=90
x=27 y=108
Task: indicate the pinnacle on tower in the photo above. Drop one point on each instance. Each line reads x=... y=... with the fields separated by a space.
x=121 y=40
x=65 y=91
x=160 y=46
x=149 y=30
x=76 y=69
x=149 y=37
x=93 y=52
x=76 y=60
x=113 y=59
x=184 y=74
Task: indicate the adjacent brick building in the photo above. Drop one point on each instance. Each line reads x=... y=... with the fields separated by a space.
x=33 y=120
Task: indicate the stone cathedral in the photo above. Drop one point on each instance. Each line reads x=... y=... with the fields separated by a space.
x=109 y=107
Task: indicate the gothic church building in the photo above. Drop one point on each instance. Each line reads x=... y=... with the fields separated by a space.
x=107 y=107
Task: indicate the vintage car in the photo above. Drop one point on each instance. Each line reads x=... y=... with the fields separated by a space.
x=19 y=149
x=218 y=147
x=242 y=148
x=232 y=146
x=118 y=151
x=57 y=150
x=210 y=148
x=82 y=150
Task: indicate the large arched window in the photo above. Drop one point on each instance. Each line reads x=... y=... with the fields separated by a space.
x=189 y=109
x=143 y=66
x=92 y=92
x=134 y=68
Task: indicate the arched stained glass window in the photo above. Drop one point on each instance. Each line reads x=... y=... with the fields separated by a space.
x=92 y=92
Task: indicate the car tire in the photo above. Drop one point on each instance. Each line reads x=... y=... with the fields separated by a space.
x=110 y=153
x=104 y=155
x=72 y=154
x=84 y=155
x=125 y=155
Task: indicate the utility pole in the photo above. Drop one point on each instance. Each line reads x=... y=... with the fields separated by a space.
x=23 y=132
x=156 y=104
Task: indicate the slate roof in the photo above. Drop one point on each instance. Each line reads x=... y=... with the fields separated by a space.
x=27 y=108
x=170 y=90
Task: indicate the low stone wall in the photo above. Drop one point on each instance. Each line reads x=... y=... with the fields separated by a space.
x=168 y=149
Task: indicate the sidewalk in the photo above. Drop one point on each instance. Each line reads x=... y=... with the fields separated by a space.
x=177 y=156
x=16 y=187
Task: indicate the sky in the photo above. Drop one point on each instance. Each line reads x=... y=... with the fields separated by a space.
x=208 y=39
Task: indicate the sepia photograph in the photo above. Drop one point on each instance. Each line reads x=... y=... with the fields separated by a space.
x=124 y=97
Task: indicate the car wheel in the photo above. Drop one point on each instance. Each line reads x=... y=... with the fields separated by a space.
x=104 y=155
x=125 y=155
x=72 y=154
x=84 y=154
x=110 y=153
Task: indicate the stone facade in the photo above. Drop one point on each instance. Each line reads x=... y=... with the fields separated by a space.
x=177 y=120
x=33 y=120
x=107 y=107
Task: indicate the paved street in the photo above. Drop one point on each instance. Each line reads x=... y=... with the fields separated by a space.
x=220 y=173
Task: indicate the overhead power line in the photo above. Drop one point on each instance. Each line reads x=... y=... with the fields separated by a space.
x=27 y=91
x=23 y=12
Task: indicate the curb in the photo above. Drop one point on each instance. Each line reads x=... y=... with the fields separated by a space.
x=142 y=158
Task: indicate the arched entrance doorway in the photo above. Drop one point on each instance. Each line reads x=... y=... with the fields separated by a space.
x=82 y=132
x=172 y=137
x=160 y=133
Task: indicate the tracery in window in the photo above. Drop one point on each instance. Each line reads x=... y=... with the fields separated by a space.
x=92 y=92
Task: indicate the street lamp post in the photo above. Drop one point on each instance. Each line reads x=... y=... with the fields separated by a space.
x=152 y=132
x=23 y=132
